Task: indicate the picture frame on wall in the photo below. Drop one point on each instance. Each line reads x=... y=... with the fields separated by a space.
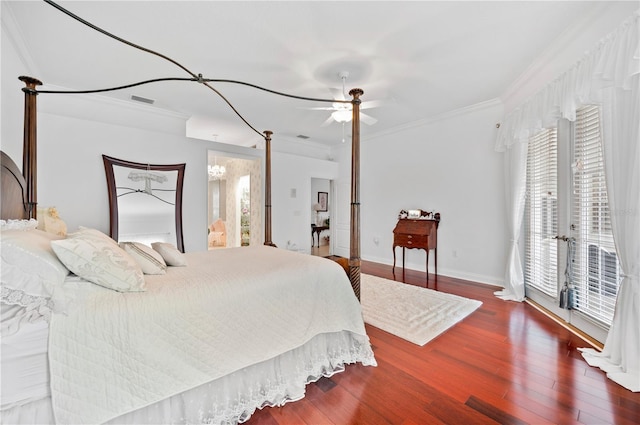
x=323 y=200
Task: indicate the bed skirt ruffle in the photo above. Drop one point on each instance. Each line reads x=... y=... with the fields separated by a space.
x=235 y=397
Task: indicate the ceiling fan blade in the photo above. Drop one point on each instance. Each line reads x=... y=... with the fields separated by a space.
x=321 y=108
x=371 y=104
x=327 y=122
x=367 y=119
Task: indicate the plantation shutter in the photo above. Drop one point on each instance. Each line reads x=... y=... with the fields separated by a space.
x=596 y=272
x=541 y=264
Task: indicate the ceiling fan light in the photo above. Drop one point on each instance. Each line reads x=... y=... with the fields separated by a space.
x=341 y=115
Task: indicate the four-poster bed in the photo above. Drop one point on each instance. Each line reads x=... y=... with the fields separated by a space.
x=201 y=372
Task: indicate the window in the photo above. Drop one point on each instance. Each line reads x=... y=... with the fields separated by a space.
x=596 y=272
x=541 y=264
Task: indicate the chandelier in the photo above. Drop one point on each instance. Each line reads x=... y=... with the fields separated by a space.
x=216 y=171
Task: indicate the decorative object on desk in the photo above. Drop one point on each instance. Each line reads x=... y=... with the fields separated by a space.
x=418 y=214
x=414 y=214
x=411 y=312
x=323 y=200
x=317 y=207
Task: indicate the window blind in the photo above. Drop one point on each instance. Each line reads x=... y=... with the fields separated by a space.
x=595 y=276
x=541 y=263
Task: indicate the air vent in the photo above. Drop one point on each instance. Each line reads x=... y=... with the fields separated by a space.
x=142 y=99
x=302 y=136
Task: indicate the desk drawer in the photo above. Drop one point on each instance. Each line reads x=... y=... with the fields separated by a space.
x=401 y=239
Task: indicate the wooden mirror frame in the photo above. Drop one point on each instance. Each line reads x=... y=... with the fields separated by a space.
x=109 y=162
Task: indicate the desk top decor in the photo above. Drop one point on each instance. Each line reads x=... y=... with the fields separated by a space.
x=419 y=215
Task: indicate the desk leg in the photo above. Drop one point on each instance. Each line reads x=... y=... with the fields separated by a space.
x=427 y=264
x=394 y=258
x=435 y=261
x=403 y=249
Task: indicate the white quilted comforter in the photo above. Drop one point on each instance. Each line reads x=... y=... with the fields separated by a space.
x=226 y=310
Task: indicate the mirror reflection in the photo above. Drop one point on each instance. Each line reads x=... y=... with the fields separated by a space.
x=145 y=201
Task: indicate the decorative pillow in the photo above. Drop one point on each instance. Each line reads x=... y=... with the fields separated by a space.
x=170 y=253
x=30 y=224
x=50 y=221
x=150 y=261
x=97 y=258
x=87 y=232
x=29 y=265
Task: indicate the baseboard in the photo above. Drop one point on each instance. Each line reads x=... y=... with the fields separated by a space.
x=456 y=274
x=577 y=332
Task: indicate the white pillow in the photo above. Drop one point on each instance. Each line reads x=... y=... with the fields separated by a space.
x=150 y=261
x=88 y=232
x=97 y=258
x=170 y=253
x=29 y=264
x=10 y=224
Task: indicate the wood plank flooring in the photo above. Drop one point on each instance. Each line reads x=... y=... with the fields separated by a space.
x=506 y=363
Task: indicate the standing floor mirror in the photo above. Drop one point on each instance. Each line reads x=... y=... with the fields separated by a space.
x=145 y=201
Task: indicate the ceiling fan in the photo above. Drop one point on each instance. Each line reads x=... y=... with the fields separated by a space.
x=341 y=112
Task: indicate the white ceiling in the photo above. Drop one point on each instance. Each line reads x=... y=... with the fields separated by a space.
x=421 y=58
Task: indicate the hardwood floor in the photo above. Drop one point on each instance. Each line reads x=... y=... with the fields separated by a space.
x=506 y=363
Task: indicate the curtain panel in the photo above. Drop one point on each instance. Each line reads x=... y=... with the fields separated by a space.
x=608 y=76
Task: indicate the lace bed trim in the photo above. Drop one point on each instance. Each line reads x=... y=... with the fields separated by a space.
x=232 y=399
x=35 y=307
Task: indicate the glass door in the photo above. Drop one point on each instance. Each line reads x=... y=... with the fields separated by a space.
x=571 y=267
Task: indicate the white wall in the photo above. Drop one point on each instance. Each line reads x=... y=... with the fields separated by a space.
x=292 y=214
x=445 y=164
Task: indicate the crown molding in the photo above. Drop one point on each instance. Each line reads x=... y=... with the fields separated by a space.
x=12 y=31
x=436 y=118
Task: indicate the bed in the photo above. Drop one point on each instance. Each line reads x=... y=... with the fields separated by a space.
x=208 y=341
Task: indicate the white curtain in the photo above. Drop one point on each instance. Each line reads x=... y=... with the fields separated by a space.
x=608 y=76
x=621 y=141
x=515 y=184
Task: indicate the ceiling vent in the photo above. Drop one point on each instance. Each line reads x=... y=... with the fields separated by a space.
x=142 y=99
x=302 y=136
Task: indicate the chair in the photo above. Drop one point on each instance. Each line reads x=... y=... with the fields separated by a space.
x=217 y=234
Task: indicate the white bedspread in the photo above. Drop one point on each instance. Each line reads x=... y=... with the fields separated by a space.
x=227 y=310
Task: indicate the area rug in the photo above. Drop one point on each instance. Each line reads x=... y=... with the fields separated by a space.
x=411 y=312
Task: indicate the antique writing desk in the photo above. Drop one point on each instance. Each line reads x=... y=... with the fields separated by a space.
x=418 y=233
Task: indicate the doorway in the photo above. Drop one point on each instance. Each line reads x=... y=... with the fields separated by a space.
x=234 y=197
x=320 y=217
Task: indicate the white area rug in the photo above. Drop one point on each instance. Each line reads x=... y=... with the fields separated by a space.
x=410 y=312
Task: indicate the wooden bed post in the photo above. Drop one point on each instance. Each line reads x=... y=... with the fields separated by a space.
x=354 y=246
x=267 y=189
x=29 y=150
